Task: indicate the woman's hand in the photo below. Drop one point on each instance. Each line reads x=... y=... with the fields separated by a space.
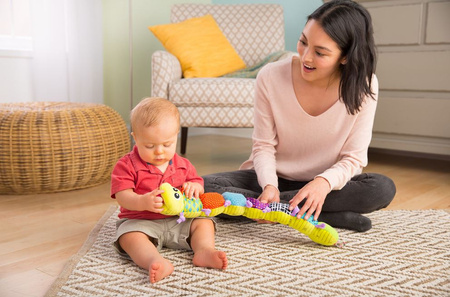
x=193 y=190
x=270 y=194
x=315 y=193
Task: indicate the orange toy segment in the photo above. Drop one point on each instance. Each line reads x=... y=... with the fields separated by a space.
x=212 y=200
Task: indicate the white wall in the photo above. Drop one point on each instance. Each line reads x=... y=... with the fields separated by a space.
x=15 y=77
x=59 y=57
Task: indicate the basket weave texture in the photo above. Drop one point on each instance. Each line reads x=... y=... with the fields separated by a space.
x=48 y=147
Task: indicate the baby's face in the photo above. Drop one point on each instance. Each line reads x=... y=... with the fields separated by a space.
x=157 y=144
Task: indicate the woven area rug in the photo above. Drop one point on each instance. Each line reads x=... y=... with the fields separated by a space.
x=406 y=253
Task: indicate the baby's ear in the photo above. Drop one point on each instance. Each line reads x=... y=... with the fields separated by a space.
x=134 y=136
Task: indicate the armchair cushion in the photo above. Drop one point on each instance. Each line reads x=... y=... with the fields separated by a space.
x=214 y=102
x=200 y=46
x=213 y=92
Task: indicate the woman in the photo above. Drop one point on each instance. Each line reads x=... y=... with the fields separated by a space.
x=313 y=119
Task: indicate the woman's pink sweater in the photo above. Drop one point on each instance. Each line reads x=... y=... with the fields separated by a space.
x=290 y=143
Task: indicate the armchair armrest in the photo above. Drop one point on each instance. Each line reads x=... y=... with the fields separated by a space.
x=165 y=68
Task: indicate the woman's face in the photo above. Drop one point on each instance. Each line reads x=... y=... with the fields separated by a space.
x=320 y=56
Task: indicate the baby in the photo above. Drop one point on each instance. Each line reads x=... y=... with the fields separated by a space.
x=142 y=230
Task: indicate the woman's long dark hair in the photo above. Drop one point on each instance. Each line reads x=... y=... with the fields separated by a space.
x=350 y=26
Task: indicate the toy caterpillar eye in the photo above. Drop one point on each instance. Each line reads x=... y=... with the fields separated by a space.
x=175 y=189
x=176 y=195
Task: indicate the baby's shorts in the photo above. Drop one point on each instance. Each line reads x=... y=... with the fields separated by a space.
x=164 y=232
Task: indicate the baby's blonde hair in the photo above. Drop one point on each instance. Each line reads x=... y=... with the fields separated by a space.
x=152 y=111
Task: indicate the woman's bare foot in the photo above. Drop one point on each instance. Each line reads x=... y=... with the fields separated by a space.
x=159 y=270
x=210 y=258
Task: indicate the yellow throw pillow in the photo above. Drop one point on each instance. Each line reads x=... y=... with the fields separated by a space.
x=200 y=46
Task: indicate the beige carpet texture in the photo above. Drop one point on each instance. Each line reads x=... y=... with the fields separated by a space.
x=406 y=253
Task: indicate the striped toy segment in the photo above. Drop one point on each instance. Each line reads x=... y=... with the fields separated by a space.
x=301 y=225
x=215 y=212
x=326 y=236
x=280 y=213
x=254 y=213
x=192 y=214
x=234 y=210
x=278 y=217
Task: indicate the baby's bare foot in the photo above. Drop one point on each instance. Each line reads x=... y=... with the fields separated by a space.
x=210 y=258
x=159 y=270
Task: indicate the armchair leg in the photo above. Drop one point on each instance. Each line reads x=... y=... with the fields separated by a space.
x=184 y=134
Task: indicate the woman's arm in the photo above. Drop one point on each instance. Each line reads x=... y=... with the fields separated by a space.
x=353 y=156
x=264 y=133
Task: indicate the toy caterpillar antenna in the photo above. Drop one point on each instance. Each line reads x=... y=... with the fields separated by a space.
x=233 y=204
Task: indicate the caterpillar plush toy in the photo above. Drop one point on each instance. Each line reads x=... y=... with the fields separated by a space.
x=233 y=204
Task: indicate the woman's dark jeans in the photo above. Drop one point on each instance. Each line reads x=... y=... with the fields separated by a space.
x=364 y=193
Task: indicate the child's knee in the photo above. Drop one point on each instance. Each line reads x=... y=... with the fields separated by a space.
x=203 y=224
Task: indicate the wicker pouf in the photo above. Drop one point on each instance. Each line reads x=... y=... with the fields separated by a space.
x=50 y=147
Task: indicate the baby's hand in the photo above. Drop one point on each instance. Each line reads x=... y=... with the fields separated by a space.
x=193 y=190
x=153 y=201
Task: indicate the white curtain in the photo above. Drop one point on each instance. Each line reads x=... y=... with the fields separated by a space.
x=67 y=63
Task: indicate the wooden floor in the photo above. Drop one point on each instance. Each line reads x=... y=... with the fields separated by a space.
x=39 y=233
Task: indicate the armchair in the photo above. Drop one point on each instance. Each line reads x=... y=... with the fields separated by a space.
x=255 y=31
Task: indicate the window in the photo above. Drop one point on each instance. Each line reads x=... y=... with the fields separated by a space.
x=15 y=25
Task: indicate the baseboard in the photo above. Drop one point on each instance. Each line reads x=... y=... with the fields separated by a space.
x=408 y=154
x=412 y=144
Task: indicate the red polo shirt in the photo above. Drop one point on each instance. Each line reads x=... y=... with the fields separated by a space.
x=131 y=172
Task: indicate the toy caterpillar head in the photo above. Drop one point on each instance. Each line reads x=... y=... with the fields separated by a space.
x=173 y=199
x=175 y=202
